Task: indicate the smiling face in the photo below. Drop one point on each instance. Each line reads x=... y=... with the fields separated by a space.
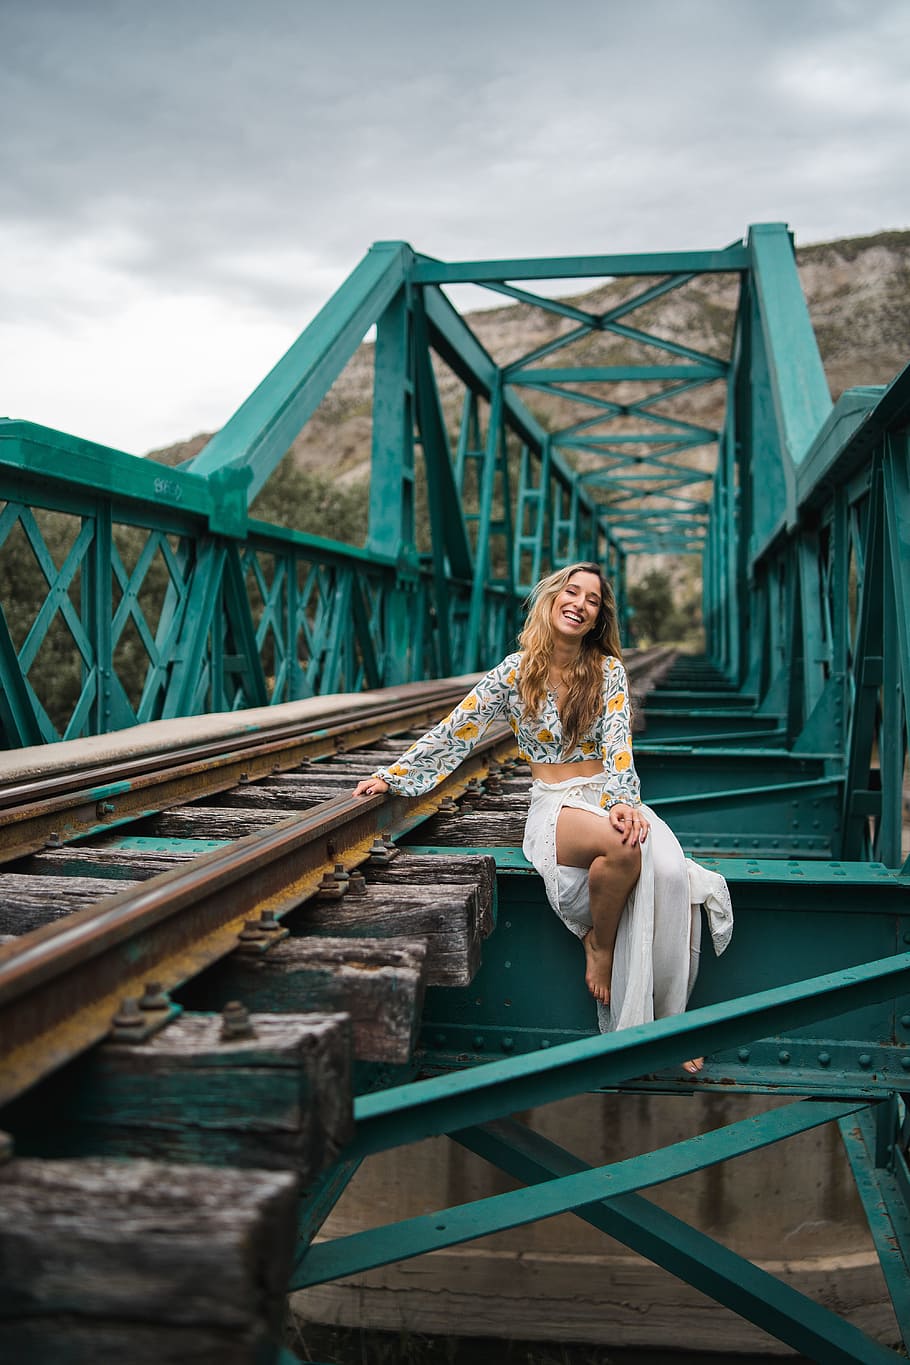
x=576 y=606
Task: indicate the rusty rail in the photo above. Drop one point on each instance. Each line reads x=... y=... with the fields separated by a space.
x=61 y=985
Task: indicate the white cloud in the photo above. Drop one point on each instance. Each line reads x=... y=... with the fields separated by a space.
x=184 y=186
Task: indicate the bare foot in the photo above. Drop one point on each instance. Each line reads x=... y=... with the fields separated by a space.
x=599 y=970
x=694 y=1066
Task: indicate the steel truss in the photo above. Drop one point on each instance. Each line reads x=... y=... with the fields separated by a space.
x=782 y=755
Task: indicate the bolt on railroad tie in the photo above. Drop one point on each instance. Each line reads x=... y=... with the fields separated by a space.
x=129 y=1023
x=448 y=807
x=269 y=925
x=357 y=884
x=332 y=887
x=235 y=1021
x=153 y=997
x=383 y=850
x=253 y=937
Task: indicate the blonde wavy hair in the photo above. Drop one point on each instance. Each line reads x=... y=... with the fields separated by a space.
x=584 y=700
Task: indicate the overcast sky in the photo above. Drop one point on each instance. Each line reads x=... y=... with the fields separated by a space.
x=186 y=181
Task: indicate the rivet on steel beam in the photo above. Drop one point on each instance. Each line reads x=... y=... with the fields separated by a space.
x=128 y=1023
x=53 y=841
x=864 y=1060
x=905 y=1063
x=244 y=777
x=824 y=1059
x=744 y=1054
x=357 y=884
x=104 y=808
x=153 y=997
x=544 y=1042
x=477 y=1042
x=508 y=1044
x=783 y=1057
x=905 y=1021
x=235 y=1021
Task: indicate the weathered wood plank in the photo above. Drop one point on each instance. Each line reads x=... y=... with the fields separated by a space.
x=28 y=902
x=280 y=1099
x=380 y=983
x=104 y=1262
x=475 y=828
x=105 y=858
x=448 y=869
x=212 y=822
x=448 y=918
x=298 y=795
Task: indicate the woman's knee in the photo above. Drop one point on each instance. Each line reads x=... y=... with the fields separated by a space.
x=620 y=860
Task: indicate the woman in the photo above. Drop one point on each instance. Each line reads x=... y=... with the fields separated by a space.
x=613 y=871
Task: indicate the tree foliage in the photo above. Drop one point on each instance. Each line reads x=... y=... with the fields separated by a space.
x=664 y=613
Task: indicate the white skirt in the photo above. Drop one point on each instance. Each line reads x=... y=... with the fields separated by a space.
x=655 y=961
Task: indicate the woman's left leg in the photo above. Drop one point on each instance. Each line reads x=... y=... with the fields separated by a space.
x=588 y=840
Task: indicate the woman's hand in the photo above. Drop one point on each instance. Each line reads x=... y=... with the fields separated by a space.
x=630 y=822
x=371 y=786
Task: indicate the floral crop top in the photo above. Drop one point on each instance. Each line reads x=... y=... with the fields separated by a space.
x=496 y=697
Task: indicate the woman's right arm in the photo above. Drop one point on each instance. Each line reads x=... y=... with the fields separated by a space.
x=437 y=753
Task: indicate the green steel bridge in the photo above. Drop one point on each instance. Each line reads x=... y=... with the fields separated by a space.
x=779 y=757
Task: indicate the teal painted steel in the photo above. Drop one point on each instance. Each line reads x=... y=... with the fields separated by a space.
x=800 y=393
x=883 y=1185
x=830 y=915
x=428 y=271
x=781 y=756
x=427 y=1108
x=260 y=432
x=699 y=1260
x=598 y=374
x=449 y=1227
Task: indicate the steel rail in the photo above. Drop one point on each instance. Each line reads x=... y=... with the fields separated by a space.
x=53 y=810
x=57 y=809
x=61 y=985
x=421 y=697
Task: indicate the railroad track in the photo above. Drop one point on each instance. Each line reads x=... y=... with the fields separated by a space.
x=148 y=888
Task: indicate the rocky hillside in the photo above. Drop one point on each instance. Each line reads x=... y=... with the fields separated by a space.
x=859 y=299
